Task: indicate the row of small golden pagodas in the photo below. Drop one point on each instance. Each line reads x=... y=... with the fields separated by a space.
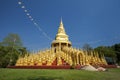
x=67 y=56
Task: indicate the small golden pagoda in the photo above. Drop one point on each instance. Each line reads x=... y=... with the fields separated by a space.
x=61 y=53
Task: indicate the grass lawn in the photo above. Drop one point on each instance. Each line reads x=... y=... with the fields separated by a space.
x=47 y=74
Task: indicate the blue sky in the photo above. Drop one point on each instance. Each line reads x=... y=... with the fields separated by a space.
x=96 y=22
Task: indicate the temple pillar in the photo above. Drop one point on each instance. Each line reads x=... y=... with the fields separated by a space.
x=67 y=44
x=59 y=47
x=77 y=59
x=74 y=59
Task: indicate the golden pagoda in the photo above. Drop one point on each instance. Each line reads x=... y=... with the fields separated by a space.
x=61 y=53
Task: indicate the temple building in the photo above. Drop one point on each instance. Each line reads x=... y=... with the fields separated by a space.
x=62 y=53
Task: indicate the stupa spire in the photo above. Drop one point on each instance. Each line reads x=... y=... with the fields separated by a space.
x=61 y=36
x=61 y=29
x=61 y=21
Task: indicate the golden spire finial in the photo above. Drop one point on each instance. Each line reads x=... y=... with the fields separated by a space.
x=61 y=29
x=61 y=35
x=61 y=20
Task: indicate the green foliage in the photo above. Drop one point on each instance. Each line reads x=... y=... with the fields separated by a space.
x=107 y=51
x=8 y=56
x=110 y=51
x=10 y=49
x=23 y=51
x=116 y=48
x=46 y=74
x=12 y=40
x=5 y=61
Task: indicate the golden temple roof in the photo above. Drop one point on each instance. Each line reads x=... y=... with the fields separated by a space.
x=61 y=35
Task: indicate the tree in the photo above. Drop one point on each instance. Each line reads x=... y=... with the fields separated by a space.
x=116 y=48
x=23 y=51
x=87 y=48
x=12 y=40
x=9 y=50
x=6 y=54
x=107 y=51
